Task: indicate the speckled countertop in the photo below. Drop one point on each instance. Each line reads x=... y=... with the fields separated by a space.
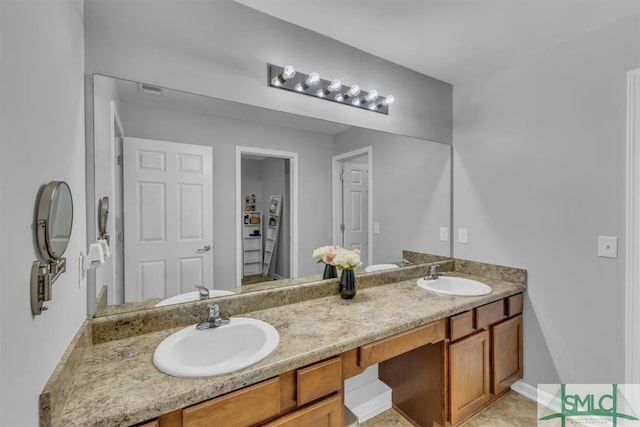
x=116 y=383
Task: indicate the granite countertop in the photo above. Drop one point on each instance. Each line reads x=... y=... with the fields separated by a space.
x=117 y=383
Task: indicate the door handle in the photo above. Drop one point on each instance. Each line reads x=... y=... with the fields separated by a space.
x=204 y=249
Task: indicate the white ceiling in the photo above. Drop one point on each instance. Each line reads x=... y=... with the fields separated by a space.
x=451 y=40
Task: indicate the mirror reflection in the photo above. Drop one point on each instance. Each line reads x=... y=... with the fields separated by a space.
x=192 y=182
x=59 y=219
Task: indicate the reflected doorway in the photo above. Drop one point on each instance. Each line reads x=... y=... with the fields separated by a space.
x=352 y=216
x=260 y=175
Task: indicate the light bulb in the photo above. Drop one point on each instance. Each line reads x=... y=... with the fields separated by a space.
x=285 y=75
x=372 y=95
x=288 y=72
x=353 y=91
x=311 y=80
x=386 y=101
x=372 y=106
x=320 y=93
x=335 y=86
x=339 y=97
x=356 y=101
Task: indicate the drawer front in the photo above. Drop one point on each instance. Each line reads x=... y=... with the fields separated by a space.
x=388 y=348
x=230 y=410
x=461 y=325
x=514 y=305
x=489 y=314
x=319 y=380
x=327 y=413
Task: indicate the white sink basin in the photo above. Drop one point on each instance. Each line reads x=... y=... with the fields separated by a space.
x=227 y=348
x=191 y=296
x=379 y=267
x=451 y=285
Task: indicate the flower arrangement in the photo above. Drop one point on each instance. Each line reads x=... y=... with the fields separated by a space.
x=347 y=259
x=343 y=259
x=326 y=254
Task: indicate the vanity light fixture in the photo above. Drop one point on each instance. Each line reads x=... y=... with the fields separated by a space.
x=331 y=90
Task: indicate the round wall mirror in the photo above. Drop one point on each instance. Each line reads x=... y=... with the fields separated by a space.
x=55 y=219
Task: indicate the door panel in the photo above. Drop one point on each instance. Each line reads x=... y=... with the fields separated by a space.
x=355 y=207
x=170 y=187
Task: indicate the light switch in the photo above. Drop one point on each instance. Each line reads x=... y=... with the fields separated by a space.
x=463 y=235
x=376 y=228
x=444 y=234
x=608 y=246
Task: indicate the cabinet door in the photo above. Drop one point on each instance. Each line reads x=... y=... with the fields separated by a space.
x=469 y=376
x=507 y=354
x=241 y=408
x=328 y=413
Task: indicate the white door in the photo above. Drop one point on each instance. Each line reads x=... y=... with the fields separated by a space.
x=355 y=192
x=168 y=220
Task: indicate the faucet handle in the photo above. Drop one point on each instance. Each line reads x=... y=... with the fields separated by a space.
x=204 y=292
x=214 y=311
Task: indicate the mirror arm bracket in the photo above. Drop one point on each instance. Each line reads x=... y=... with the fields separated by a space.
x=43 y=275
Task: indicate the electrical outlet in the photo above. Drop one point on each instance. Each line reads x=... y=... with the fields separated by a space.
x=444 y=234
x=608 y=246
x=463 y=235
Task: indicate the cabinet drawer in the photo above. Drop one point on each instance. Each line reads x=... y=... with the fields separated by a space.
x=241 y=408
x=489 y=314
x=326 y=413
x=514 y=305
x=461 y=325
x=319 y=380
x=388 y=348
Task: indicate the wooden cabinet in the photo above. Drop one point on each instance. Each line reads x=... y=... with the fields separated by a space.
x=506 y=354
x=231 y=410
x=485 y=355
x=327 y=413
x=307 y=396
x=469 y=376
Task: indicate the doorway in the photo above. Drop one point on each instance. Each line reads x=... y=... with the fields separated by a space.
x=353 y=202
x=260 y=174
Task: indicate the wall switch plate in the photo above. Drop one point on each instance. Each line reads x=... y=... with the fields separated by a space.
x=463 y=235
x=608 y=246
x=444 y=234
x=376 y=228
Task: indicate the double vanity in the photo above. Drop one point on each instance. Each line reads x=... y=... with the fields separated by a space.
x=444 y=356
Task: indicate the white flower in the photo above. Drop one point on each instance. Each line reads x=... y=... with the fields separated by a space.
x=347 y=259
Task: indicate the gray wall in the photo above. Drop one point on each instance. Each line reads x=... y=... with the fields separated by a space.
x=42 y=139
x=539 y=174
x=411 y=185
x=221 y=49
x=224 y=135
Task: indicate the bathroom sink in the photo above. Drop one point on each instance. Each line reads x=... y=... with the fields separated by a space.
x=451 y=285
x=191 y=296
x=201 y=353
x=379 y=267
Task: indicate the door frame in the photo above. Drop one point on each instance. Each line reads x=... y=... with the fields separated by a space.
x=632 y=280
x=337 y=195
x=293 y=203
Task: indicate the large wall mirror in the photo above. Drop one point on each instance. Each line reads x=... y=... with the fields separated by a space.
x=191 y=180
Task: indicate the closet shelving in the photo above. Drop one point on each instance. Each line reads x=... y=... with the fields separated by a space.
x=252 y=242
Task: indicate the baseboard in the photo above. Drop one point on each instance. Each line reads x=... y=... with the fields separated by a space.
x=531 y=392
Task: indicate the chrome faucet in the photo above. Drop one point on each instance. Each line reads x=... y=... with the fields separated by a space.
x=204 y=292
x=433 y=274
x=403 y=262
x=215 y=319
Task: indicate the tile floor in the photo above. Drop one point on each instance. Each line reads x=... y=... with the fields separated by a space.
x=511 y=410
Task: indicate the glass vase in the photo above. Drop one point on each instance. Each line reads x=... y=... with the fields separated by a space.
x=347 y=284
x=330 y=272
